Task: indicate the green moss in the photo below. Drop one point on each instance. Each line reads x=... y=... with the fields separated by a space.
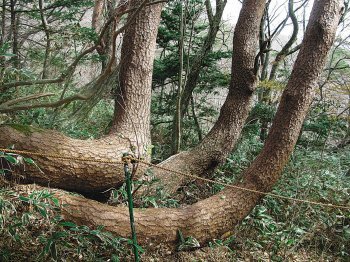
x=25 y=129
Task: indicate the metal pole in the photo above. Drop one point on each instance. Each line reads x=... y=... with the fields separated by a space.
x=131 y=211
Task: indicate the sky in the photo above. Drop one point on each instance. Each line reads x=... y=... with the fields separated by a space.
x=277 y=9
x=233 y=7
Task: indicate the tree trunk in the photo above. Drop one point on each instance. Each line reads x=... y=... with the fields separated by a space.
x=14 y=35
x=2 y=40
x=177 y=121
x=82 y=177
x=220 y=140
x=216 y=215
x=130 y=128
x=132 y=109
x=133 y=95
x=44 y=25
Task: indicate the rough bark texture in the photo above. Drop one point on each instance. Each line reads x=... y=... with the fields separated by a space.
x=133 y=98
x=221 y=139
x=71 y=175
x=133 y=109
x=218 y=214
x=130 y=129
x=298 y=95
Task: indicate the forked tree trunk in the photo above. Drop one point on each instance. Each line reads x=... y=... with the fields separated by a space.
x=131 y=121
x=212 y=217
x=206 y=156
x=218 y=214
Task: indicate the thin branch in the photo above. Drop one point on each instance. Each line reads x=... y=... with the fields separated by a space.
x=293 y=50
x=53 y=6
x=70 y=70
x=26 y=98
x=285 y=50
x=209 y=11
x=39 y=105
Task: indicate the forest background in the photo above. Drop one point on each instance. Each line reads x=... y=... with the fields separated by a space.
x=60 y=72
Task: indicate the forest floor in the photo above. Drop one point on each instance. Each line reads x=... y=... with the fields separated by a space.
x=36 y=241
x=225 y=254
x=31 y=228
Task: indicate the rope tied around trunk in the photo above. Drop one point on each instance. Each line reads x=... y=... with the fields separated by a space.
x=131 y=159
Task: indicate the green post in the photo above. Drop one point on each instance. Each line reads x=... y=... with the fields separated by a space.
x=131 y=211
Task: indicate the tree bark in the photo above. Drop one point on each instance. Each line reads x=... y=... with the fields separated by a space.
x=132 y=110
x=221 y=139
x=133 y=95
x=203 y=158
x=130 y=131
x=76 y=176
x=177 y=120
x=216 y=215
x=132 y=117
x=14 y=33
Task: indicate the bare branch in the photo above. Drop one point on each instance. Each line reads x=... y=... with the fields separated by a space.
x=49 y=104
x=70 y=70
x=285 y=49
x=209 y=11
x=26 y=98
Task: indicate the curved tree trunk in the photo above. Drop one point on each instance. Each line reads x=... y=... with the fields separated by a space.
x=220 y=140
x=71 y=175
x=130 y=129
x=218 y=214
x=132 y=111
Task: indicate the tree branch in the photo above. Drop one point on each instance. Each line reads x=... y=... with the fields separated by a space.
x=70 y=70
x=209 y=11
x=4 y=109
x=26 y=98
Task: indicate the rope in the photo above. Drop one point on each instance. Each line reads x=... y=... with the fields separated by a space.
x=57 y=156
x=242 y=188
x=128 y=159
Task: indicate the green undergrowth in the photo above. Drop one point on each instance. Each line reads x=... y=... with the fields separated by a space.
x=279 y=227
x=32 y=229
